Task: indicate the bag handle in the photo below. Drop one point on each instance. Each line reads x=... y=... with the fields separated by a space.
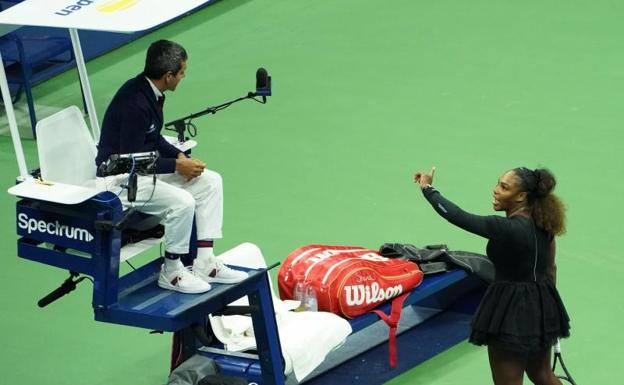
x=392 y=321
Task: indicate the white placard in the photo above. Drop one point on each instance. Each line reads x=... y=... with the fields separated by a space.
x=98 y=15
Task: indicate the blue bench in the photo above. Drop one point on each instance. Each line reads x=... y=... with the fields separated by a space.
x=436 y=315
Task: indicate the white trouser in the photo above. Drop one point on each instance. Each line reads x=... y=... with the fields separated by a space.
x=176 y=200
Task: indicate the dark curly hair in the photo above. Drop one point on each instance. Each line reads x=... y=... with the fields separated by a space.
x=546 y=208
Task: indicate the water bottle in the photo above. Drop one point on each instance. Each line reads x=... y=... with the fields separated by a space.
x=299 y=294
x=310 y=301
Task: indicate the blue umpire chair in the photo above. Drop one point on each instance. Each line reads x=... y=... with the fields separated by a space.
x=64 y=221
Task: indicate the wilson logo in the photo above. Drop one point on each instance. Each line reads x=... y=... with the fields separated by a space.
x=356 y=295
x=52 y=228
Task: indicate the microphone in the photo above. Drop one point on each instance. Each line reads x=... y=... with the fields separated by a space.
x=263 y=83
x=261 y=78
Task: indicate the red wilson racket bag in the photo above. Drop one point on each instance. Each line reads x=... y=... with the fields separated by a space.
x=349 y=281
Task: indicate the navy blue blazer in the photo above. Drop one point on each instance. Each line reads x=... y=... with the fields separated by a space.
x=132 y=123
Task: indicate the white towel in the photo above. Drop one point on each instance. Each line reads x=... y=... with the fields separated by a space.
x=306 y=337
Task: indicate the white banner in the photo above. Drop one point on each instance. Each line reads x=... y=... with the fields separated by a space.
x=99 y=15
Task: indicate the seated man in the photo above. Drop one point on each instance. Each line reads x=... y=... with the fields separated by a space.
x=184 y=187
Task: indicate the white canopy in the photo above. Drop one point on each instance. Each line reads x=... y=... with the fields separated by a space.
x=98 y=15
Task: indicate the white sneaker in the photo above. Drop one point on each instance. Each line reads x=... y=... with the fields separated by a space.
x=181 y=280
x=216 y=271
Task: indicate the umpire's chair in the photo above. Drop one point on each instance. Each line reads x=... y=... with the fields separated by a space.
x=67 y=155
x=64 y=221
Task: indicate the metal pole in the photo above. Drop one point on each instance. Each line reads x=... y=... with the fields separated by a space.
x=84 y=81
x=10 y=113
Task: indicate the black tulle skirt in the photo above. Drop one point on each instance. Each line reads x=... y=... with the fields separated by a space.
x=520 y=316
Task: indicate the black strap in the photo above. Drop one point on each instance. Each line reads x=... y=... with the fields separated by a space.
x=413 y=253
x=434 y=267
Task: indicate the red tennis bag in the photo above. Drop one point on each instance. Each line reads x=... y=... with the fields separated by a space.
x=349 y=281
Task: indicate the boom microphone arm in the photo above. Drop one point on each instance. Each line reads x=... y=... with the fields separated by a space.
x=263 y=89
x=180 y=125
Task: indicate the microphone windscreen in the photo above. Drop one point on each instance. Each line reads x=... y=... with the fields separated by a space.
x=261 y=78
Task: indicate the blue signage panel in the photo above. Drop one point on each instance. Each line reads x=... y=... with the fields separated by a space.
x=59 y=229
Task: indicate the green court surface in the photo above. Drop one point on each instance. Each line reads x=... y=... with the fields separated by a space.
x=365 y=94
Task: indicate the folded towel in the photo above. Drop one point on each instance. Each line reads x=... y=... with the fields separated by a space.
x=306 y=337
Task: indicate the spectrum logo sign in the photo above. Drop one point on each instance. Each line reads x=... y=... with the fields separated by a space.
x=107 y=6
x=55 y=228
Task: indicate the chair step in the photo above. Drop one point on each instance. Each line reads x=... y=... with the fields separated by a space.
x=142 y=303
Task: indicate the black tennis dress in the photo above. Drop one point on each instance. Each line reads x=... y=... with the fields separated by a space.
x=521 y=310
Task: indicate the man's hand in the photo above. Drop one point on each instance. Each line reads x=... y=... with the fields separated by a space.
x=189 y=168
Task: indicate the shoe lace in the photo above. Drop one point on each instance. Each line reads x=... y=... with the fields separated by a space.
x=186 y=271
x=219 y=265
